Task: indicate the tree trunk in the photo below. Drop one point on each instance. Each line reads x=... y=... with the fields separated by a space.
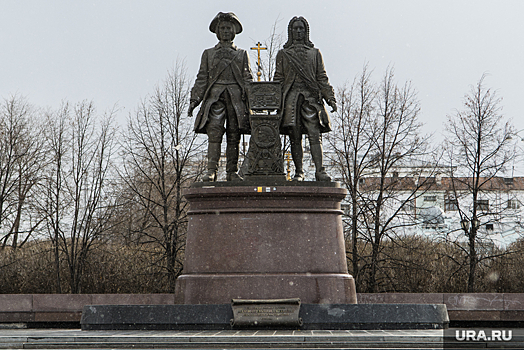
x=354 y=248
x=472 y=260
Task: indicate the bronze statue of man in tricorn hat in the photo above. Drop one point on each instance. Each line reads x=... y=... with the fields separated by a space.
x=221 y=88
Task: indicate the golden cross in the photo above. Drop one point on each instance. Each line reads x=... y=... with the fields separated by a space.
x=258 y=48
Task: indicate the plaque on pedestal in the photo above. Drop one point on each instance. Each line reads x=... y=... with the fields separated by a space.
x=266 y=313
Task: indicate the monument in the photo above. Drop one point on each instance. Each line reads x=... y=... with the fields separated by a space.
x=266 y=238
x=263 y=252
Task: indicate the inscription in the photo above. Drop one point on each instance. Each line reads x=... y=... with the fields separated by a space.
x=265 y=101
x=264 y=95
x=266 y=311
x=260 y=313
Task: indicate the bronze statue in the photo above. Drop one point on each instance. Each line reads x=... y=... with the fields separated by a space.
x=300 y=70
x=221 y=87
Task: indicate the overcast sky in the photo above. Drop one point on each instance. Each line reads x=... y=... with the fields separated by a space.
x=115 y=52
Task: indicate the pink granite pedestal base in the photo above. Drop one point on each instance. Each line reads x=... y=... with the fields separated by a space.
x=265 y=242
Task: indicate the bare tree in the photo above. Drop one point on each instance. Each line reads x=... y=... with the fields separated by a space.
x=273 y=43
x=161 y=156
x=77 y=202
x=21 y=162
x=398 y=141
x=479 y=148
x=350 y=139
x=377 y=133
x=53 y=206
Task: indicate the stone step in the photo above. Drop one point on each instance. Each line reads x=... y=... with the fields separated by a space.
x=245 y=339
x=76 y=339
x=275 y=346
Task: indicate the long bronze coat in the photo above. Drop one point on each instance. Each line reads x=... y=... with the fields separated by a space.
x=314 y=87
x=207 y=88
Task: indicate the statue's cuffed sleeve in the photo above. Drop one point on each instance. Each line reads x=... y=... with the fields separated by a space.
x=327 y=91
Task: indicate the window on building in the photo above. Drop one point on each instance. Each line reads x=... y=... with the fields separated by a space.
x=410 y=205
x=451 y=204
x=513 y=204
x=430 y=199
x=482 y=204
x=489 y=227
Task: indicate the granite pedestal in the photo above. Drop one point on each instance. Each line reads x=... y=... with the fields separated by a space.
x=265 y=240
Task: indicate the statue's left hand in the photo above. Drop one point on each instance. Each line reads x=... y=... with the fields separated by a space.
x=333 y=105
x=192 y=106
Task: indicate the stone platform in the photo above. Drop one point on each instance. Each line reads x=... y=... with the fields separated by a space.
x=265 y=239
x=218 y=317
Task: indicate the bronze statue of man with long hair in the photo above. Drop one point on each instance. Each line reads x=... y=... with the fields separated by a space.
x=305 y=84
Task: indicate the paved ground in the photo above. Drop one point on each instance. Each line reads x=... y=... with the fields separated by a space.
x=284 y=339
x=54 y=339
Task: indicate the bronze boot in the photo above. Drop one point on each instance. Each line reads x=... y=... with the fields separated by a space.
x=299 y=174
x=316 y=154
x=232 y=150
x=213 y=156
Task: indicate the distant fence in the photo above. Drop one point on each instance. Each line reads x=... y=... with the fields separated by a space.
x=67 y=308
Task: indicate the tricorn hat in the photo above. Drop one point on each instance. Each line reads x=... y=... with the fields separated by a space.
x=229 y=16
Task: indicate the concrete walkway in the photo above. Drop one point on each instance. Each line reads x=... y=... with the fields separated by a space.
x=231 y=339
x=284 y=339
